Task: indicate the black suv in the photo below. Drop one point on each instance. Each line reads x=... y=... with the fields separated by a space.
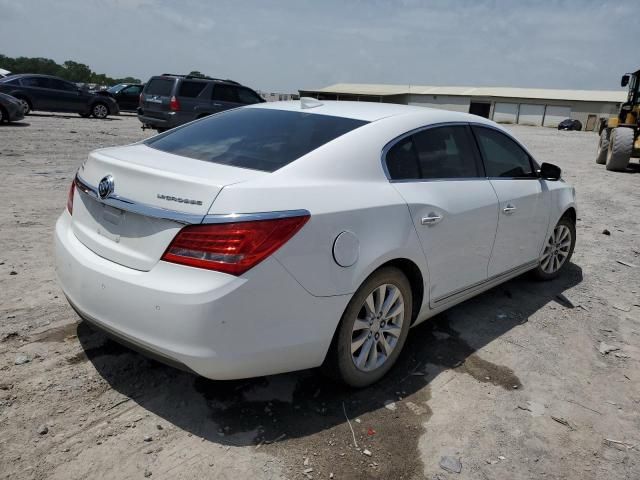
x=53 y=94
x=170 y=100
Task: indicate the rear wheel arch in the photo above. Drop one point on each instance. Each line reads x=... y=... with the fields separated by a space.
x=22 y=96
x=571 y=214
x=416 y=281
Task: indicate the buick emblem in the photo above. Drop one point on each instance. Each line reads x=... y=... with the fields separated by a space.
x=105 y=187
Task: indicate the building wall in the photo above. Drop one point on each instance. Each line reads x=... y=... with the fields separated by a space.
x=579 y=110
x=445 y=102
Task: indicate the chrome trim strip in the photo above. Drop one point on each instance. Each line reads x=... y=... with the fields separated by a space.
x=128 y=205
x=482 y=284
x=186 y=218
x=249 y=217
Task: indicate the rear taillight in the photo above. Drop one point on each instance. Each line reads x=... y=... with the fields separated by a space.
x=231 y=248
x=174 y=104
x=72 y=190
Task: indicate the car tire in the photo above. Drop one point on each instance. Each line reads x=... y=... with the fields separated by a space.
x=100 y=110
x=603 y=147
x=26 y=106
x=365 y=328
x=557 y=248
x=620 y=148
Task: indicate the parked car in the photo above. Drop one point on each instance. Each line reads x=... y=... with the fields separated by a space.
x=10 y=109
x=171 y=100
x=570 y=124
x=126 y=94
x=53 y=94
x=290 y=235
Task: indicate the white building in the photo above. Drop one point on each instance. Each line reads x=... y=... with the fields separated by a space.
x=526 y=106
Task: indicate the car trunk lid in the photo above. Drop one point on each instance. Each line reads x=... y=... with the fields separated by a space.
x=154 y=194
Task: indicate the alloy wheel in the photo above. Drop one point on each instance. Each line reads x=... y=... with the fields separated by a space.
x=25 y=105
x=377 y=327
x=556 y=250
x=100 y=111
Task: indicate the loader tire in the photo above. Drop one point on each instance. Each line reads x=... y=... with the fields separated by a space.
x=603 y=147
x=620 y=148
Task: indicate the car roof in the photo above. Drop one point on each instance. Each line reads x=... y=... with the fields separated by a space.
x=369 y=111
x=199 y=79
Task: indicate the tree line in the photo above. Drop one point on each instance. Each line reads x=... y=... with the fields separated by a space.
x=69 y=70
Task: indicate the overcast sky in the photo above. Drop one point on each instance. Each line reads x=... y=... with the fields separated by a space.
x=287 y=45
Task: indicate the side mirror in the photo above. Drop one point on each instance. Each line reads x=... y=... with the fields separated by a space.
x=624 y=81
x=548 y=171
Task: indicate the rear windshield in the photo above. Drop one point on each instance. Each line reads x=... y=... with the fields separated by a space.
x=160 y=86
x=255 y=138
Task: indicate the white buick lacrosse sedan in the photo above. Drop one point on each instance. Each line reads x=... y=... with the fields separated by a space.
x=287 y=236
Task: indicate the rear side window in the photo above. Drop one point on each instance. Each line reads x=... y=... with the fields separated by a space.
x=191 y=89
x=402 y=162
x=434 y=153
x=446 y=152
x=160 y=86
x=502 y=156
x=35 y=82
x=225 y=93
x=255 y=138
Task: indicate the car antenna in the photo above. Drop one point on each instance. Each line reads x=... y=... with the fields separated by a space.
x=308 y=102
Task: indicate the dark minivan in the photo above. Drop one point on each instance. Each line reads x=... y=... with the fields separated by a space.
x=52 y=94
x=171 y=100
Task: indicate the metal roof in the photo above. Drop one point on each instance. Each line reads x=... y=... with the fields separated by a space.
x=615 y=96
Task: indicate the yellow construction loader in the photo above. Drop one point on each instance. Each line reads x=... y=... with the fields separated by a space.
x=619 y=137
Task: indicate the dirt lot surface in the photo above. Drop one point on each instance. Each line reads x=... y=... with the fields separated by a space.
x=511 y=383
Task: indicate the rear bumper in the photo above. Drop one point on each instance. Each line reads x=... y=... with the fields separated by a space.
x=217 y=325
x=169 y=120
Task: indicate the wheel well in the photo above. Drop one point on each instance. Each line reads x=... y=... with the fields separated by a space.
x=5 y=114
x=416 y=281
x=26 y=99
x=570 y=214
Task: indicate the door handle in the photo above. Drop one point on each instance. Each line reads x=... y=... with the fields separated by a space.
x=509 y=209
x=431 y=219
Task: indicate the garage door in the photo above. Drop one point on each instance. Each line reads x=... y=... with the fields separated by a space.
x=555 y=114
x=531 y=114
x=505 y=112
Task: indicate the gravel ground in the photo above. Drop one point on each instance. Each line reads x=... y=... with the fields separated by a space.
x=511 y=383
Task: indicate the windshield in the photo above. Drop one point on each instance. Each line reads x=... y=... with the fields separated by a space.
x=117 y=88
x=255 y=138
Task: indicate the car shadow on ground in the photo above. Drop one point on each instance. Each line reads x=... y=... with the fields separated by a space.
x=300 y=404
x=72 y=116
x=14 y=124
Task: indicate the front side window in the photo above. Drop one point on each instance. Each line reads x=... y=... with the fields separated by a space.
x=225 y=93
x=502 y=156
x=248 y=97
x=256 y=138
x=132 y=90
x=56 y=84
